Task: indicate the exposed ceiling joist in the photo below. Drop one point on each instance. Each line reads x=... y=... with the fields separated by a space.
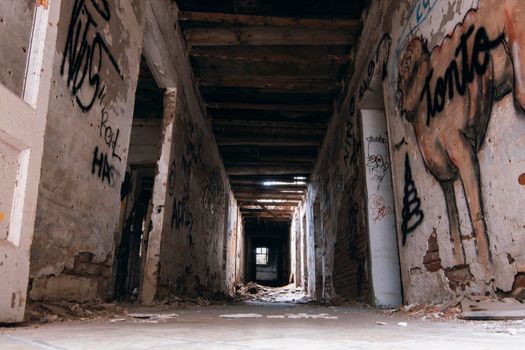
x=269 y=72
x=297 y=54
x=274 y=84
x=265 y=170
x=272 y=107
x=264 y=123
x=265 y=141
x=229 y=18
x=264 y=35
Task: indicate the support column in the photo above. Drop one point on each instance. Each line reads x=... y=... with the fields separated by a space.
x=151 y=271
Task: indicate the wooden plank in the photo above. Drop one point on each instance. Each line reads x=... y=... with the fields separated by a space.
x=261 y=35
x=220 y=130
x=228 y=18
x=311 y=84
x=292 y=116
x=288 y=159
x=260 y=187
x=287 y=203
x=266 y=96
x=272 y=107
x=253 y=196
x=310 y=9
x=297 y=54
x=266 y=141
x=221 y=69
x=266 y=123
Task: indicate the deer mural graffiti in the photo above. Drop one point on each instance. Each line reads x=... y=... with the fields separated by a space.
x=447 y=95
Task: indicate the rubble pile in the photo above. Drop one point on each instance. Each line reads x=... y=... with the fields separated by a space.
x=252 y=291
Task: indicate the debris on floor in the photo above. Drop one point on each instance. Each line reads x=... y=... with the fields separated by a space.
x=312 y=316
x=490 y=309
x=44 y=312
x=467 y=307
x=252 y=291
x=241 y=316
x=153 y=317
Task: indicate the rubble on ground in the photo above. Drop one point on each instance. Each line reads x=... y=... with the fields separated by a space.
x=44 y=312
x=60 y=311
x=471 y=307
x=252 y=291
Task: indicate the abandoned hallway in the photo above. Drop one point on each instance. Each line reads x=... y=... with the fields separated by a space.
x=262 y=174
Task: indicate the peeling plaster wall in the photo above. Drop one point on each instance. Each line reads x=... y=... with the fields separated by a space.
x=470 y=148
x=86 y=146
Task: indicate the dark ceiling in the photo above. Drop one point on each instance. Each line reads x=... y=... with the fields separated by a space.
x=269 y=72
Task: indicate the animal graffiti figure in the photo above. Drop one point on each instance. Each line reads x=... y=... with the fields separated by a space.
x=447 y=95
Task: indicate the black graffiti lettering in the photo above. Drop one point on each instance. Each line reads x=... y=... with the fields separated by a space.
x=84 y=52
x=182 y=217
x=109 y=135
x=102 y=168
x=472 y=65
x=102 y=9
x=172 y=178
x=412 y=214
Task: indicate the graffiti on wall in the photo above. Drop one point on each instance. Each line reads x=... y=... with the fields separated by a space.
x=109 y=134
x=85 y=55
x=86 y=51
x=447 y=94
x=102 y=168
x=352 y=146
x=412 y=214
x=378 y=208
x=182 y=217
x=377 y=160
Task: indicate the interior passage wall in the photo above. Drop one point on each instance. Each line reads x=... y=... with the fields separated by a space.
x=454 y=100
x=198 y=249
x=338 y=258
x=88 y=128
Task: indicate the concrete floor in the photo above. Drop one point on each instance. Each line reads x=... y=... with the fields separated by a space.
x=204 y=328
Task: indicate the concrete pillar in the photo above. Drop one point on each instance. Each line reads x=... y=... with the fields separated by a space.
x=151 y=271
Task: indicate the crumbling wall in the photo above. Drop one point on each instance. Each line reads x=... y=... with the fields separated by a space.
x=451 y=75
x=87 y=136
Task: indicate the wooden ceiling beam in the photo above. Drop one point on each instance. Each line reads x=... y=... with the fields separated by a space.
x=262 y=188
x=243 y=196
x=265 y=130
x=229 y=18
x=272 y=107
x=264 y=123
x=279 y=169
x=274 y=83
x=286 y=159
x=276 y=54
x=263 y=35
x=287 y=203
x=240 y=140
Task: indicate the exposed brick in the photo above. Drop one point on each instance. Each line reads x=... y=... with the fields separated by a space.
x=431 y=260
x=459 y=277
